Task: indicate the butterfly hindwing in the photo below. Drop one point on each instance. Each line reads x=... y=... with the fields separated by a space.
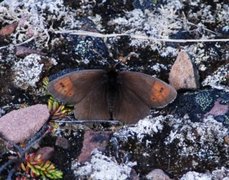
x=93 y=105
x=128 y=107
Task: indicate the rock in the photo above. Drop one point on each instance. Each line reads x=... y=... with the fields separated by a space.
x=183 y=74
x=93 y=140
x=157 y=174
x=219 y=109
x=88 y=48
x=201 y=103
x=22 y=51
x=195 y=175
x=226 y=139
x=169 y=141
x=8 y=29
x=62 y=142
x=46 y=153
x=19 y=125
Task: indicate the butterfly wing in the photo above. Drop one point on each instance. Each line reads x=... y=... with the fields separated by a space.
x=154 y=92
x=85 y=90
x=94 y=105
x=128 y=107
x=138 y=93
x=74 y=86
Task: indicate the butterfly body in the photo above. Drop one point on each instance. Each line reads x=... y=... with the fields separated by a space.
x=109 y=94
x=112 y=88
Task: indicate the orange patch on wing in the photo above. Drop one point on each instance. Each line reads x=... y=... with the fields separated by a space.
x=64 y=87
x=159 y=92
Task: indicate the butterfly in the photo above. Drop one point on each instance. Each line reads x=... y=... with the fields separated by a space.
x=99 y=94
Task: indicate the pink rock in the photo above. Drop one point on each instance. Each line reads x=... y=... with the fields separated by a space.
x=8 y=29
x=62 y=142
x=183 y=74
x=93 y=140
x=46 y=153
x=22 y=51
x=218 y=109
x=226 y=139
x=19 y=125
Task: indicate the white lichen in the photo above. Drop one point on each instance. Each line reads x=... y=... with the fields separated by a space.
x=192 y=175
x=27 y=71
x=148 y=125
x=220 y=174
x=103 y=167
x=154 y=24
x=215 y=80
x=158 y=67
x=35 y=18
x=201 y=137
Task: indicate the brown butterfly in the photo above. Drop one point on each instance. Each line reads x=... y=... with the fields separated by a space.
x=107 y=94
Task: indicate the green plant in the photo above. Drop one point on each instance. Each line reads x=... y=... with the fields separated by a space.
x=58 y=110
x=34 y=166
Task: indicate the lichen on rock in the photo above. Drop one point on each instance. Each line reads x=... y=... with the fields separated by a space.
x=27 y=71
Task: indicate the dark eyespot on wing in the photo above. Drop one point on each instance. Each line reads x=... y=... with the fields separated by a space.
x=63 y=87
x=161 y=94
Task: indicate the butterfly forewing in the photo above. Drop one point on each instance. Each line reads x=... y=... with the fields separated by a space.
x=85 y=89
x=74 y=86
x=152 y=91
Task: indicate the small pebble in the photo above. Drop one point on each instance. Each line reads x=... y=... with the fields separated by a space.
x=226 y=139
x=8 y=29
x=62 y=142
x=22 y=51
x=93 y=140
x=46 y=153
x=218 y=109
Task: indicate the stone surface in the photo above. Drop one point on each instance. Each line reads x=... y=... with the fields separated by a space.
x=103 y=167
x=218 y=79
x=62 y=142
x=157 y=174
x=19 y=125
x=183 y=74
x=157 y=20
x=46 y=153
x=8 y=29
x=22 y=51
x=93 y=140
x=217 y=174
x=219 y=109
x=27 y=71
x=202 y=103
